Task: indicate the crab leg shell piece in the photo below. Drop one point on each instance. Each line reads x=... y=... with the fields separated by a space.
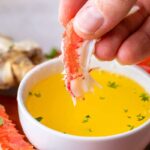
x=71 y=43
x=76 y=57
x=10 y=139
x=84 y=83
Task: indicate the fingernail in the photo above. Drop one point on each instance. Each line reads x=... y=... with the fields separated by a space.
x=89 y=20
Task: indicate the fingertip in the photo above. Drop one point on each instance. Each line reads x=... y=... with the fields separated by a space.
x=63 y=16
x=96 y=19
x=103 y=51
x=61 y=22
x=81 y=33
x=68 y=9
x=125 y=56
x=87 y=21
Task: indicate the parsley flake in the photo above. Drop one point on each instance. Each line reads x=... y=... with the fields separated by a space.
x=129 y=117
x=90 y=130
x=83 y=98
x=30 y=93
x=39 y=119
x=140 y=117
x=37 y=94
x=112 y=84
x=144 y=97
x=131 y=127
x=101 y=98
x=125 y=110
x=34 y=94
x=86 y=119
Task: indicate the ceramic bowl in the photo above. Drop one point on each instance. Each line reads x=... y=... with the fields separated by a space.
x=44 y=138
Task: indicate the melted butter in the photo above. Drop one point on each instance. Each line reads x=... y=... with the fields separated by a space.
x=121 y=105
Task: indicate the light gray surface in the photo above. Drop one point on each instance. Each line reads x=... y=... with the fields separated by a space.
x=31 y=19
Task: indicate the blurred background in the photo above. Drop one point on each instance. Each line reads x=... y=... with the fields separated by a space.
x=31 y=19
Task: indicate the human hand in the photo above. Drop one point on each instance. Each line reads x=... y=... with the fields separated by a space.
x=126 y=38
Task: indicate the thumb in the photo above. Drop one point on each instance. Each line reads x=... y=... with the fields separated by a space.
x=97 y=17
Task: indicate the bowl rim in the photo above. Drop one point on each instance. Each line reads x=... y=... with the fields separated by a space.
x=24 y=110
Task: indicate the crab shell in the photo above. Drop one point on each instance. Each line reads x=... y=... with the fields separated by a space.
x=83 y=82
x=10 y=139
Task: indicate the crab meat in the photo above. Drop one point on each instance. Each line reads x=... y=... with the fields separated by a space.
x=76 y=57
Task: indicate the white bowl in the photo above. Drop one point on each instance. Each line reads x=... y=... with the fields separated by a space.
x=44 y=138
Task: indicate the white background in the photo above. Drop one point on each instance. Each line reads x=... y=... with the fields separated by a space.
x=31 y=19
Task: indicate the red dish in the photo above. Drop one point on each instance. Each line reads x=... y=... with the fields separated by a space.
x=145 y=65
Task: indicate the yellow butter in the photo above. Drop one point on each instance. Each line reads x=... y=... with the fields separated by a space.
x=121 y=105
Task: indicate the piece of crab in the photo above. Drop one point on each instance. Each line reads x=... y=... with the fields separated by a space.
x=76 y=57
x=10 y=139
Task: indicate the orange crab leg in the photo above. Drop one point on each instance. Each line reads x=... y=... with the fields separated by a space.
x=71 y=57
x=10 y=139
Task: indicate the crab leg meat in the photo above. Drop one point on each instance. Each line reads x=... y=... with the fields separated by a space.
x=76 y=57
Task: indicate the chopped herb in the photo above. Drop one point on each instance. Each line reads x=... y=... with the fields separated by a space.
x=144 y=97
x=1 y=121
x=140 y=117
x=86 y=119
x=101 y=97
x=125 y=110
x=113 y=85
x=90 y=130
x=30 y=93
x=39 y=119
x=131 y=127
x=129 y=117
x=53 y=53
x=37 y=94
x=65 y=132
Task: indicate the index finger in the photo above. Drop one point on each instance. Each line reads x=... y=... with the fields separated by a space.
x=97 y=17
x=68 y=9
